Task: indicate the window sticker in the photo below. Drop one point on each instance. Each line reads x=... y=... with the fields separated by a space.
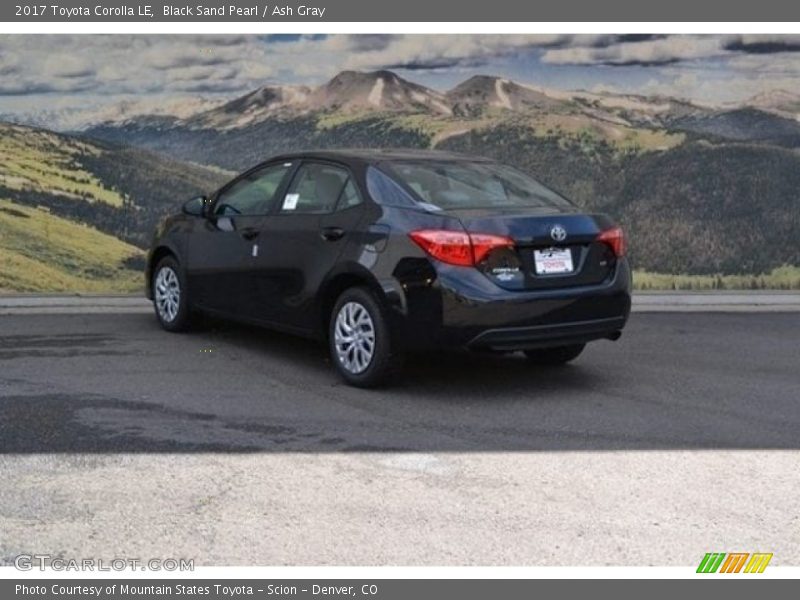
x=290 y=201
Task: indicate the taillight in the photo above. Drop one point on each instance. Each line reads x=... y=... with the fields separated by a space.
x=458 y=247
x=615 y=238
x=483 y=243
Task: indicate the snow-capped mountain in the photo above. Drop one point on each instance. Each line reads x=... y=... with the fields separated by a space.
x=483 y=91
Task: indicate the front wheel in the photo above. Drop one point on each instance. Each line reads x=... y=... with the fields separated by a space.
x=360 y=339
x=170 y=298
x=555 y=356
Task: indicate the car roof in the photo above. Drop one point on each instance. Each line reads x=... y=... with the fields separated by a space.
x=378 y=155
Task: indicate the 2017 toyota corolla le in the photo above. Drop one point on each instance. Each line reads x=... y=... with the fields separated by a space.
x=383 y=252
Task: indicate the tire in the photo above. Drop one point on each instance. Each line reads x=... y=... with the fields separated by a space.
x=371 y=359
x=559 y=355
x=170 y=297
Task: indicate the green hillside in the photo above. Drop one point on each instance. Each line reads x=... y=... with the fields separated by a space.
x=45 y=253
x=76 y=215
x=121 y=191
x=41 y=161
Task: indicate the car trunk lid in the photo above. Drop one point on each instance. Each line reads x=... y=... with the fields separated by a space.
x=552 y=248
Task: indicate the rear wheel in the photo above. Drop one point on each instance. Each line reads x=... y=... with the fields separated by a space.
x=554 y=356
x=170 y=299
x=360 y=339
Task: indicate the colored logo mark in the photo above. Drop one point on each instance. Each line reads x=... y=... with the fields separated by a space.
x=734 y=562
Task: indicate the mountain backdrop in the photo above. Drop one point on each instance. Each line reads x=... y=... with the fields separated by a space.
x=701 y=190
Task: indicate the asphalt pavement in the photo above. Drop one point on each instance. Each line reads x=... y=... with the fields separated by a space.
x=231 y=445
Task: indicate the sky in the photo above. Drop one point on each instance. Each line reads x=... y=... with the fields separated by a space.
x=82 y=72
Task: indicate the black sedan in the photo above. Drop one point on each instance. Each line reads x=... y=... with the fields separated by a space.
x=383 y=252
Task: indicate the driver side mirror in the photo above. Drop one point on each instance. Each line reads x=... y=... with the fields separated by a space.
x=196 y=207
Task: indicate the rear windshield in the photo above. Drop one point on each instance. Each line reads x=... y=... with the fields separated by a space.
x=463 y=184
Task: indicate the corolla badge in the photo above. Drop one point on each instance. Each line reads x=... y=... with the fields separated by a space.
x=558 y=233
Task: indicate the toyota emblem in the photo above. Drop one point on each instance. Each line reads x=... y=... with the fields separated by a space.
x=558 y=233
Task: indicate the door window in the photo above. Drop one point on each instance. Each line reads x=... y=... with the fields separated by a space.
x=316 y=189
x=254 y=193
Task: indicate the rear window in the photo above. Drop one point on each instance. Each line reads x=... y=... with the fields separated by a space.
x=463 y=184
x=384 y=190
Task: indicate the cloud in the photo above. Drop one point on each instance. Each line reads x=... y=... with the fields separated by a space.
x=752 y=65
x=417 y=52
x=184 y=57
x=102 y=67
x=68 y=66
x=371 y=42
x=113 y=65
x=652 y=51
x=20 y=86
x=434 y=52
x=720 y=87
x=205 y=73
x=437 y=64
x=143 y=64
x=763 y=44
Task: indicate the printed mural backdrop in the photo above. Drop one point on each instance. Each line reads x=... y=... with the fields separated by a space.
x=691 y=142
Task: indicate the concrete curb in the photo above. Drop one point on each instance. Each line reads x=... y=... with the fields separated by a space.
x=72 y=304
x=642 y=302
x=760 y=301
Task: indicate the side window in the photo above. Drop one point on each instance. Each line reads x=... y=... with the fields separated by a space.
x=350 y=196
x=252 y=195
x=315 y=190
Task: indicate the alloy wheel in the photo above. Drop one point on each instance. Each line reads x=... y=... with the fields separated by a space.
x=167 y=294
x=354 y=337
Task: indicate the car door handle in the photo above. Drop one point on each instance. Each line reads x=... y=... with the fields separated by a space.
x=249 y=233
x=331 y=234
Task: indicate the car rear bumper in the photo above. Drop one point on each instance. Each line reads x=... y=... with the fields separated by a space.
x=543 y=336
x=463 y=308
